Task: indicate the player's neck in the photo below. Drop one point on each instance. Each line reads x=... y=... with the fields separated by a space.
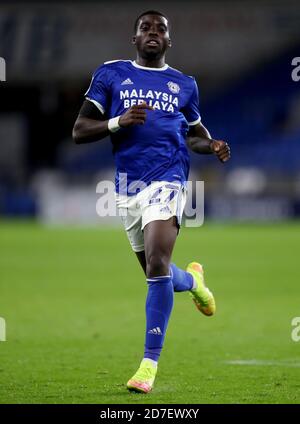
x=151 y=63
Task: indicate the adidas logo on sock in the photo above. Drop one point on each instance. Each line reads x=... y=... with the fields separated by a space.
x=156 y=331
x=127 y=82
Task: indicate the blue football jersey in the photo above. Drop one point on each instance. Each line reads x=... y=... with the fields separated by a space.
x=155 y=151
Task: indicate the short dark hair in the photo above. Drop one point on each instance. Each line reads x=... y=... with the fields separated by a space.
x=148 y=12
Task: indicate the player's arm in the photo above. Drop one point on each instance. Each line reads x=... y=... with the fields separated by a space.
x=91 y=125
x=200 y=141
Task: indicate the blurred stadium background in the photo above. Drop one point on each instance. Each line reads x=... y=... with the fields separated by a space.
x=69 y=339
x=240 y=54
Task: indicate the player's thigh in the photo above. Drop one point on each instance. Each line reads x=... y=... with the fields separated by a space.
x=162 y=206
x=159 y=239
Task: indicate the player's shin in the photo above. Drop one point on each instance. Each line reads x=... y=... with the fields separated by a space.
x=159 y=305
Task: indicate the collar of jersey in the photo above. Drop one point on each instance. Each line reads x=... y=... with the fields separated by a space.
x=136 y=65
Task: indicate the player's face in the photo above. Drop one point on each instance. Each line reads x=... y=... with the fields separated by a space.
x=152 y=37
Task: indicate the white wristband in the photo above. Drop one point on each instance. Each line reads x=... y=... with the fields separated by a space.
x=113 y=124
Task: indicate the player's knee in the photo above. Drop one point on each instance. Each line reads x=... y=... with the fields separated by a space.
x=157 y=265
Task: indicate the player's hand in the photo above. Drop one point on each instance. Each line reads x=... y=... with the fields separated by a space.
x=135 y=115
x=221 y=149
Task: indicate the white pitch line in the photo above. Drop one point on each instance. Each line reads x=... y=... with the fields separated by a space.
x=261 y=362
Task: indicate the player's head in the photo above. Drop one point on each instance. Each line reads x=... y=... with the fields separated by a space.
x=151 y=34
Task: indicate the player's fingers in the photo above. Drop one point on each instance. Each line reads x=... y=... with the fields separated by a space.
x=224 y=156
x=137 y=121
x=140 y=117
x=218 y=145
x=143 y=106
x=225 y=150
x=139 y=113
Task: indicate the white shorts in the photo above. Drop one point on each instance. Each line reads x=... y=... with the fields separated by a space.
x=159 y=201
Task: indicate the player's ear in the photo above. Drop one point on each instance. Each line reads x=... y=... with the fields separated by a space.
x=169 y=43
x=133 y=40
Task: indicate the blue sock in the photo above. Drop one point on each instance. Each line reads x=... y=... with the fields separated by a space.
x=182 y=280
x=159 y=305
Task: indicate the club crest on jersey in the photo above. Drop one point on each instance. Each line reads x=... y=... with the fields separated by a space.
x=173 y=87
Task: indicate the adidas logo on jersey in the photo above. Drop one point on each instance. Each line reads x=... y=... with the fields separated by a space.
x=156 y=331
x=127 y=82
x=165 y=209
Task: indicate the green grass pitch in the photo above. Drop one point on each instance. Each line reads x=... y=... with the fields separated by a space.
x=73 y=301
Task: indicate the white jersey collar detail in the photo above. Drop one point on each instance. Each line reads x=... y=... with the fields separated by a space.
x=136 y=65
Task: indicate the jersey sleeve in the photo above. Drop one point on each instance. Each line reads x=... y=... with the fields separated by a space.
x=98 y=90
x=191 y=110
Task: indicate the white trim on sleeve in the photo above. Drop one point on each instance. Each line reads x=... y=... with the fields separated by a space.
x=89 y=85
x=191 y=124
x=98 y=105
